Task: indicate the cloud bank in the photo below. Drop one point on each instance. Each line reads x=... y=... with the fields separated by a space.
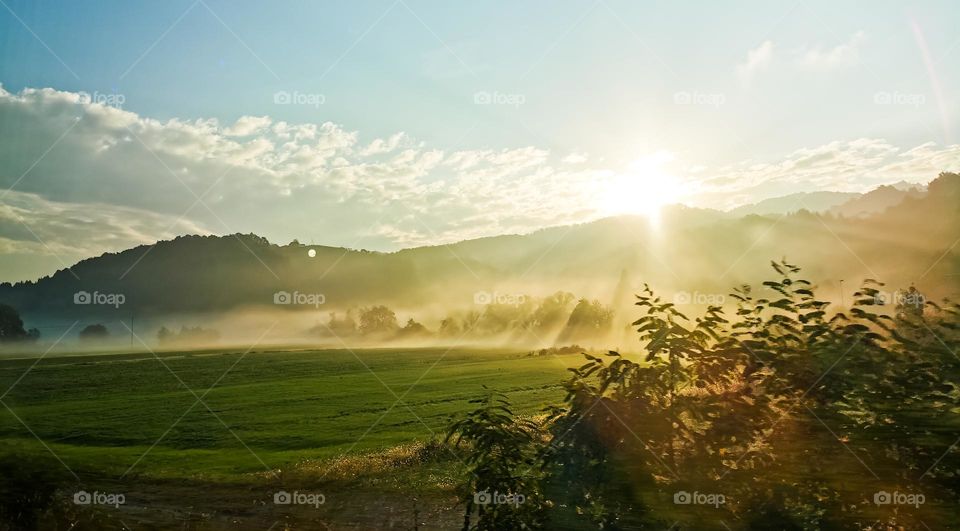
x=805 y=59
x=80 y=177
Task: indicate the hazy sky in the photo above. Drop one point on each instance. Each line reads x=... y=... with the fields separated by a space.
x=384 y=124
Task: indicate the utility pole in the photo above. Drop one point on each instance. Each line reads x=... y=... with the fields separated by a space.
x=842 y=303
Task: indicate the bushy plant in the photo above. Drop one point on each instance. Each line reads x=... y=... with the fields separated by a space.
x=749 y=411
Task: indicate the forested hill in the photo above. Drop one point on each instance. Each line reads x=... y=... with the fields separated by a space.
x=691 y=250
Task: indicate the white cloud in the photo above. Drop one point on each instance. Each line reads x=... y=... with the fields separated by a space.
x=248 y=125
x=850 y=166
x=115 y=179
x=380 y=145
x=841 y=56
x=278 y=179
x=758 y=59
x=807 y=58
x=31 y=224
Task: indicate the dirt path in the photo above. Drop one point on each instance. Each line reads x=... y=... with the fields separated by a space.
x=162 y=505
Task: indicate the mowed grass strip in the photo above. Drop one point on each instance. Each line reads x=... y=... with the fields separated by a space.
x=274 y=408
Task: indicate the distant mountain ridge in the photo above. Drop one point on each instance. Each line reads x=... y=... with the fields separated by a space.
x=692 y=250
x=877 y=200
x=811 y=201
x=849 y=204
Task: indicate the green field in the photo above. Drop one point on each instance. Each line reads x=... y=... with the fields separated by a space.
x=135 y=414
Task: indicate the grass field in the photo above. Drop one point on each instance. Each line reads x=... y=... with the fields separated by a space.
x=353 y=425
x=139 y=415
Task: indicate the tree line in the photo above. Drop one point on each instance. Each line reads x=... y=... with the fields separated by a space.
x=560 y=317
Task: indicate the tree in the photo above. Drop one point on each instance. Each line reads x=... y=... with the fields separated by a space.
x=449 y=327
x=344 y=327
x=11 y=326
x=909 y=304
x=188 y=334
x=499 y=318
x=551 y=311
x=28 y=488
x=413 y=328
x=697 y=413
x=500 y=454
x=588 y=321
x=336 y=326
x=164 y=335
x=94 y=332
x=378 y=320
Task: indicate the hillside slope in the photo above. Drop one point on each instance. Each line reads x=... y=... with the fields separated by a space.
x=692 y=250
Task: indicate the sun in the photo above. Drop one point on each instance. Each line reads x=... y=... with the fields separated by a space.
x=645 y=188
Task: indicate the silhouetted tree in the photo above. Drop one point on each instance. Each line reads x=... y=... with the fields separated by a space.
x=347 y=326
x=28 y=486
x=413 y=328
x=378 y=320
x=696 y=412
x=552 y=311
x=501 y=317
x=94 y=332
x=501 y=459
x=188 y=334
x=589 y=320
x=449 y=327
x=11 y=326
x=164 y=335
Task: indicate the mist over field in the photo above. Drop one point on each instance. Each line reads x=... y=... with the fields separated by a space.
x=560 y=286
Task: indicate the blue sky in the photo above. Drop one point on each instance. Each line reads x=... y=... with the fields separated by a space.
x=595 y=76
x=734 y=102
